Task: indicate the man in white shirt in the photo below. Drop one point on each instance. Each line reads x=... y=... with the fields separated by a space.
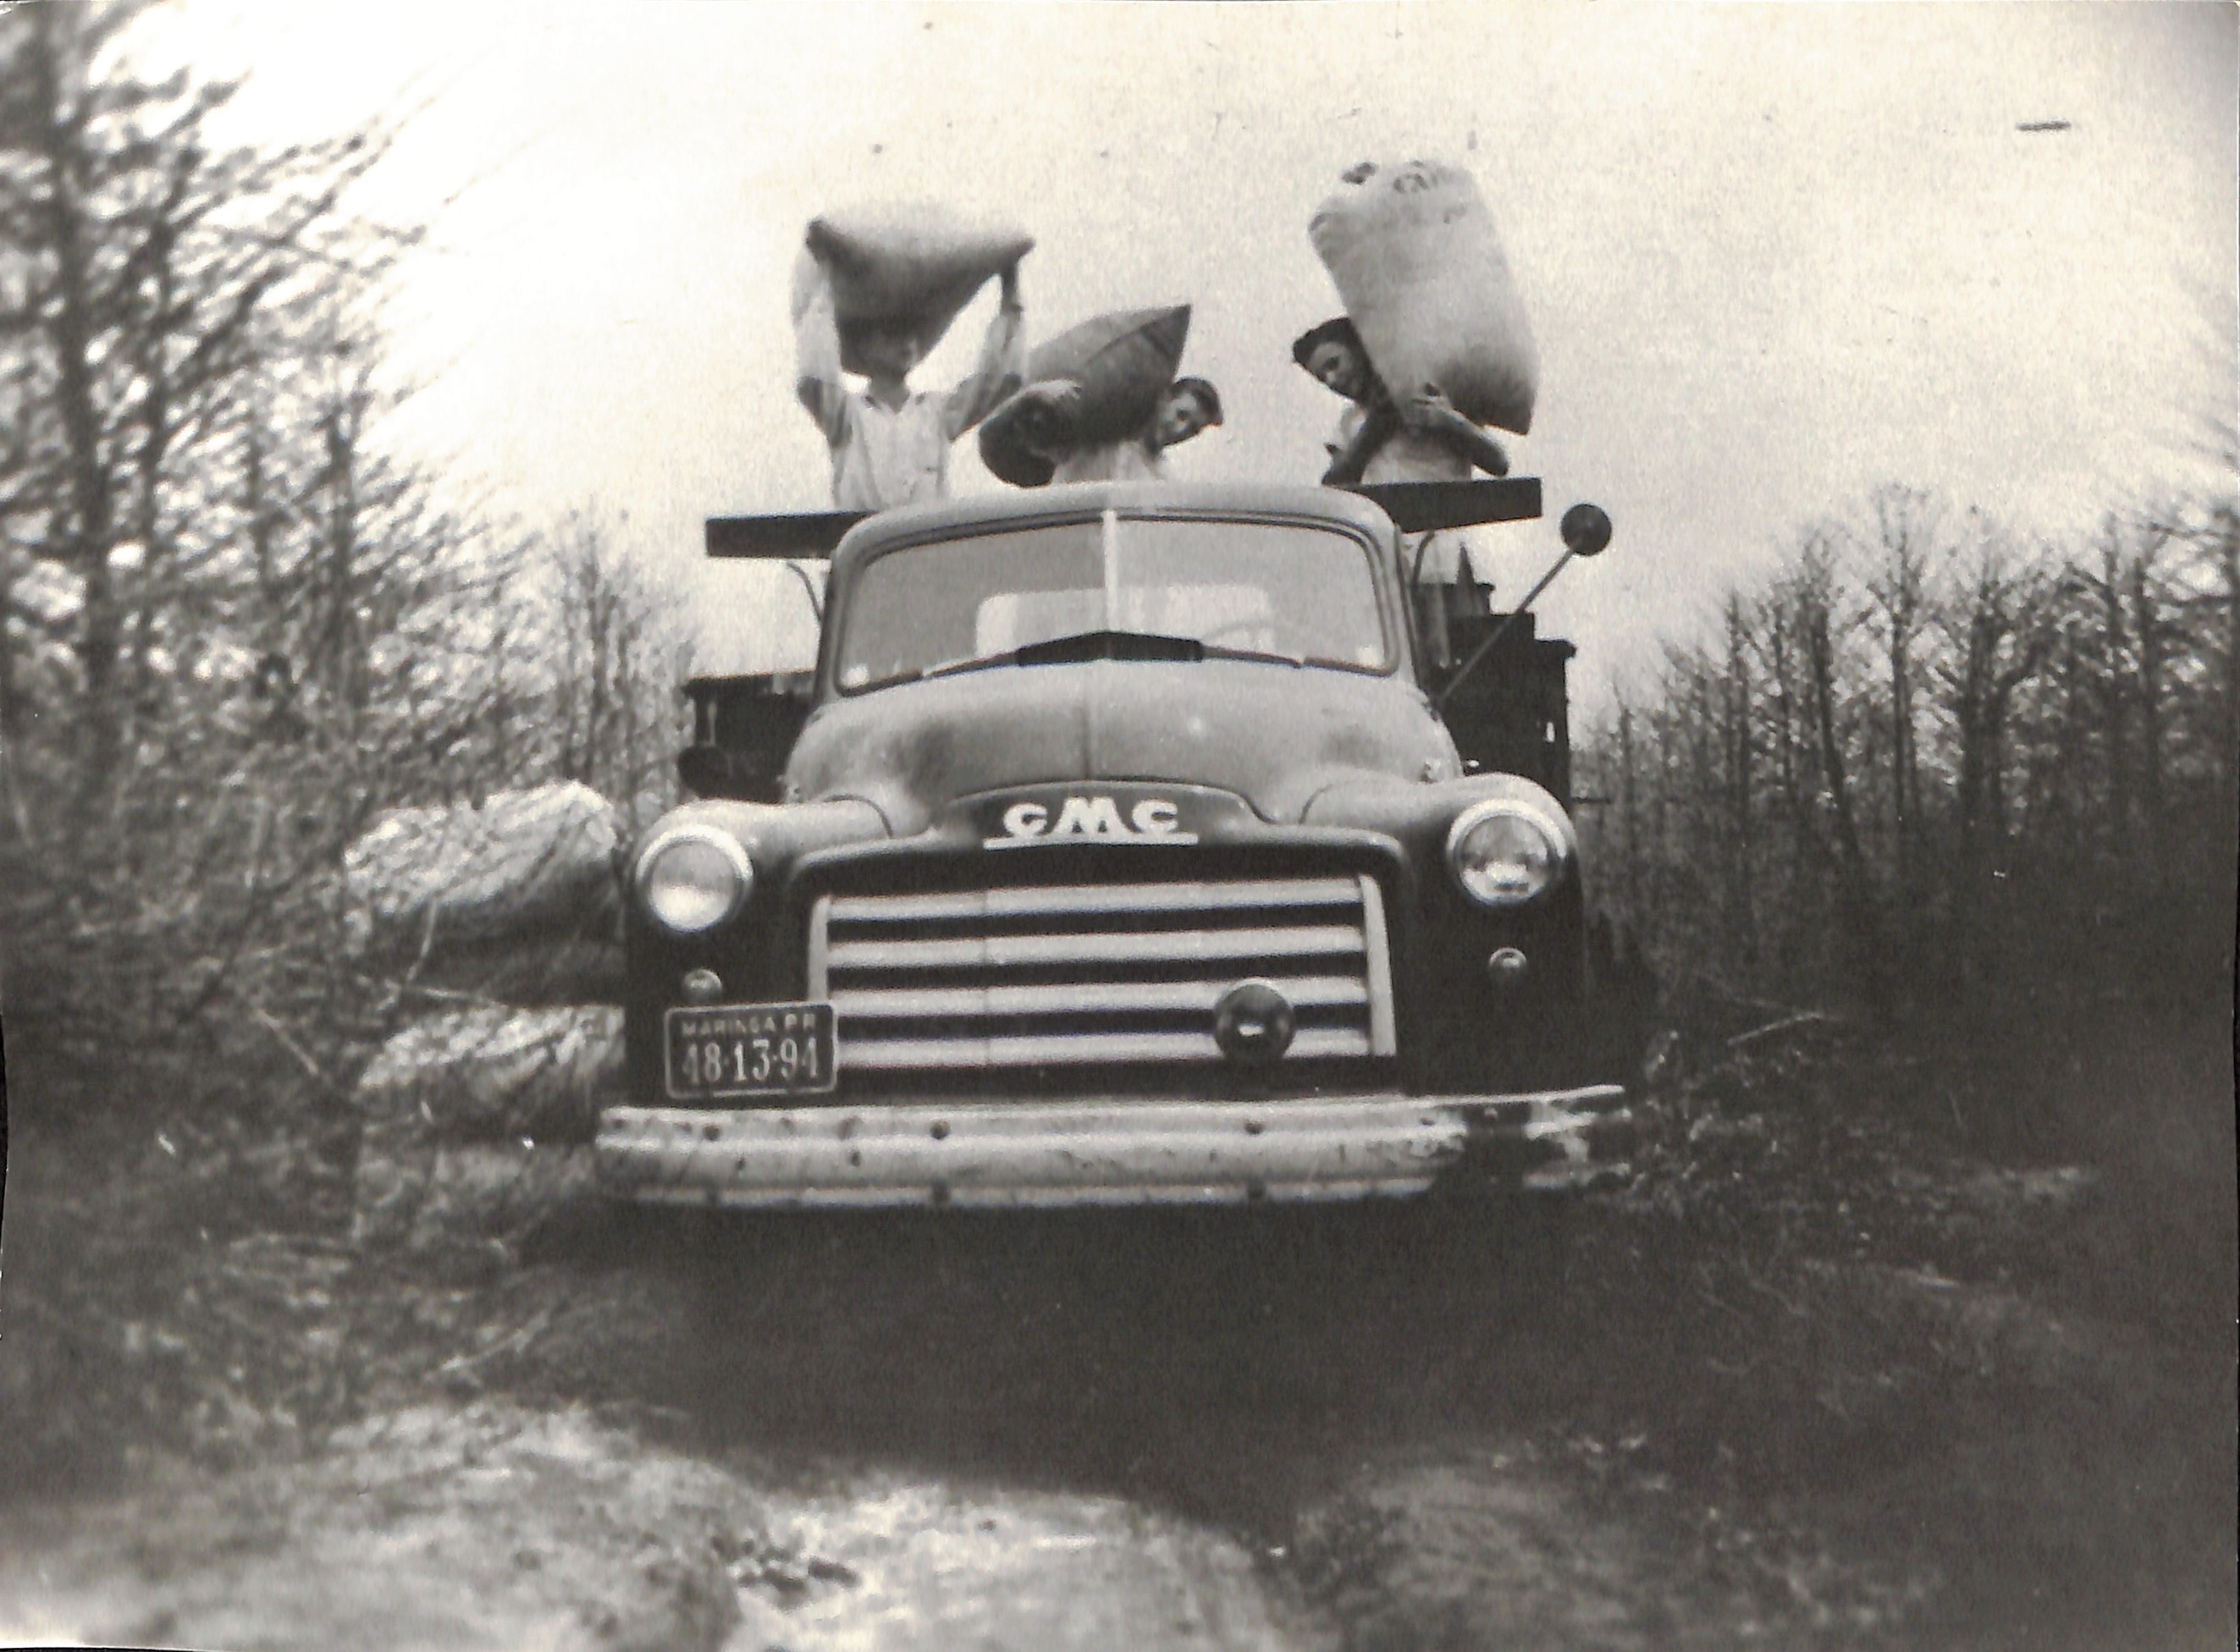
x=1426 y=439
x=891 y=444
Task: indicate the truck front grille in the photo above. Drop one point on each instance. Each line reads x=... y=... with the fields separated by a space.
x=1084 y=974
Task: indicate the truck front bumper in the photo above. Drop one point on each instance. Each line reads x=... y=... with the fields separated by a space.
x=1115 y=1151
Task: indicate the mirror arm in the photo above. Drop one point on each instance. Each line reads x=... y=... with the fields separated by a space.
x=1586 y=531
x=1439 y=702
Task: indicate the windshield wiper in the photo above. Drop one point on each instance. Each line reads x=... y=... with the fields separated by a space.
x=950 y=668
x=1082 y=645
x=1221 y=651
x=1111 y=645
x=1117 y=646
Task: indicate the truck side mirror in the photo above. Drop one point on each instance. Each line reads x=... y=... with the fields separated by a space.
x=1586 y=531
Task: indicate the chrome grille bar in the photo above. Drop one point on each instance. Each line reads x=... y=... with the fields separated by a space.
x=998 y=951
x=885 y=1004
x=1031 y=900
x=889 y=1055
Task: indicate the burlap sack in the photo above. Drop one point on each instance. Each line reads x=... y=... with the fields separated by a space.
x=912 y=263
x=530 y=974
x=1123 y=361
x=525 y=864
x=420 y=1194
x=493 y=1073
x=1416 y=259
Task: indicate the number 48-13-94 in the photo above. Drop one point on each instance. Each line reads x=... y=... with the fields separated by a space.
x=711 y=1063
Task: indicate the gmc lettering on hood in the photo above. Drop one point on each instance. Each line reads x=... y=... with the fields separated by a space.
x=1151 y=820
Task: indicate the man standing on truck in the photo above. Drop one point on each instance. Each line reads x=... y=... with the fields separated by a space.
x=1428 y=439
x=890 y=443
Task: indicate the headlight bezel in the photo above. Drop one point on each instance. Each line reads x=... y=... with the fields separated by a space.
x=734 y=855
x=1550 y=831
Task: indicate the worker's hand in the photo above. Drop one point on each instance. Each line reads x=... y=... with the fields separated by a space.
x=1059 y=395
x=1428 y=410
x=1011 y=285
x=1044 y=422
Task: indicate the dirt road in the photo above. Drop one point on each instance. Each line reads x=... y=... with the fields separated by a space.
x=1873 y=1411
x=1088 y=1432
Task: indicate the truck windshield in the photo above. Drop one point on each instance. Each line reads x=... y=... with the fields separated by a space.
x=1289 y=592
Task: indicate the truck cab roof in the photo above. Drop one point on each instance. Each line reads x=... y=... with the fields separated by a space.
x=1072 y=501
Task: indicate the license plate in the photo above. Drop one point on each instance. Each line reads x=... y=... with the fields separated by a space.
x=750 y=1049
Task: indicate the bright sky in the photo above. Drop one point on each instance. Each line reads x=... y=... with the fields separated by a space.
x=1774 y=255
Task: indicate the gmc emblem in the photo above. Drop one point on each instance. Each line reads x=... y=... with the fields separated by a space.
x=1151 y=820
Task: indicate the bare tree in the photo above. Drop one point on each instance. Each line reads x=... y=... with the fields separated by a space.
x=1899 y=554
x=148 y=268
x=230 y=627
x=1994 y=618
x=614 y=632
x=1738 y=828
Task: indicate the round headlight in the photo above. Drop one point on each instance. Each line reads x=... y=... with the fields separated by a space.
x=1504 y=854
x=693 y=879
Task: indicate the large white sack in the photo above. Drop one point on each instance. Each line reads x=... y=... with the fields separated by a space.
x=1416 y=262
x=422 y=1193
x=423 y=881
x=532 y=972
x=495 y=1074
x=1121 y=361
x=912 y=263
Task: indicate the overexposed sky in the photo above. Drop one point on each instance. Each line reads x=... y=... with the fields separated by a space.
x=1774 y=254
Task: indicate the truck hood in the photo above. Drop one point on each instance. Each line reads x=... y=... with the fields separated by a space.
x=1275 y=734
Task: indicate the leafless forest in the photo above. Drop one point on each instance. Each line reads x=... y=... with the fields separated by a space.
x=1927 y=769
x=236 y=630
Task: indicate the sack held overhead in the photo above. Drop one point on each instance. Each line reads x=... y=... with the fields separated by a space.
x=913 y=264
x=1416 y=262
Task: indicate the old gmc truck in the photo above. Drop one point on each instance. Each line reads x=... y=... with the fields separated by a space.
x=1123 y=849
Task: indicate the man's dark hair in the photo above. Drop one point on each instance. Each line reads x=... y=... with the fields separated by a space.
x=1338 y=330
x=1209 y=397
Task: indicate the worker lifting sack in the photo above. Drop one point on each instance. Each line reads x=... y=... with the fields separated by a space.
x=1123 y=361
x=913 y=264
x=1416 y=262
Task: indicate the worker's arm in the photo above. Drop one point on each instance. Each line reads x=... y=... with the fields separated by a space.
x=1002 y=363
x=817 y=378
x=1428 y=410
x=1350 y=460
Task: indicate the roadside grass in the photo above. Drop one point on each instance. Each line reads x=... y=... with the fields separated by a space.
x=179 y=1288
x=1967 y=1301
x=172 y=1243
